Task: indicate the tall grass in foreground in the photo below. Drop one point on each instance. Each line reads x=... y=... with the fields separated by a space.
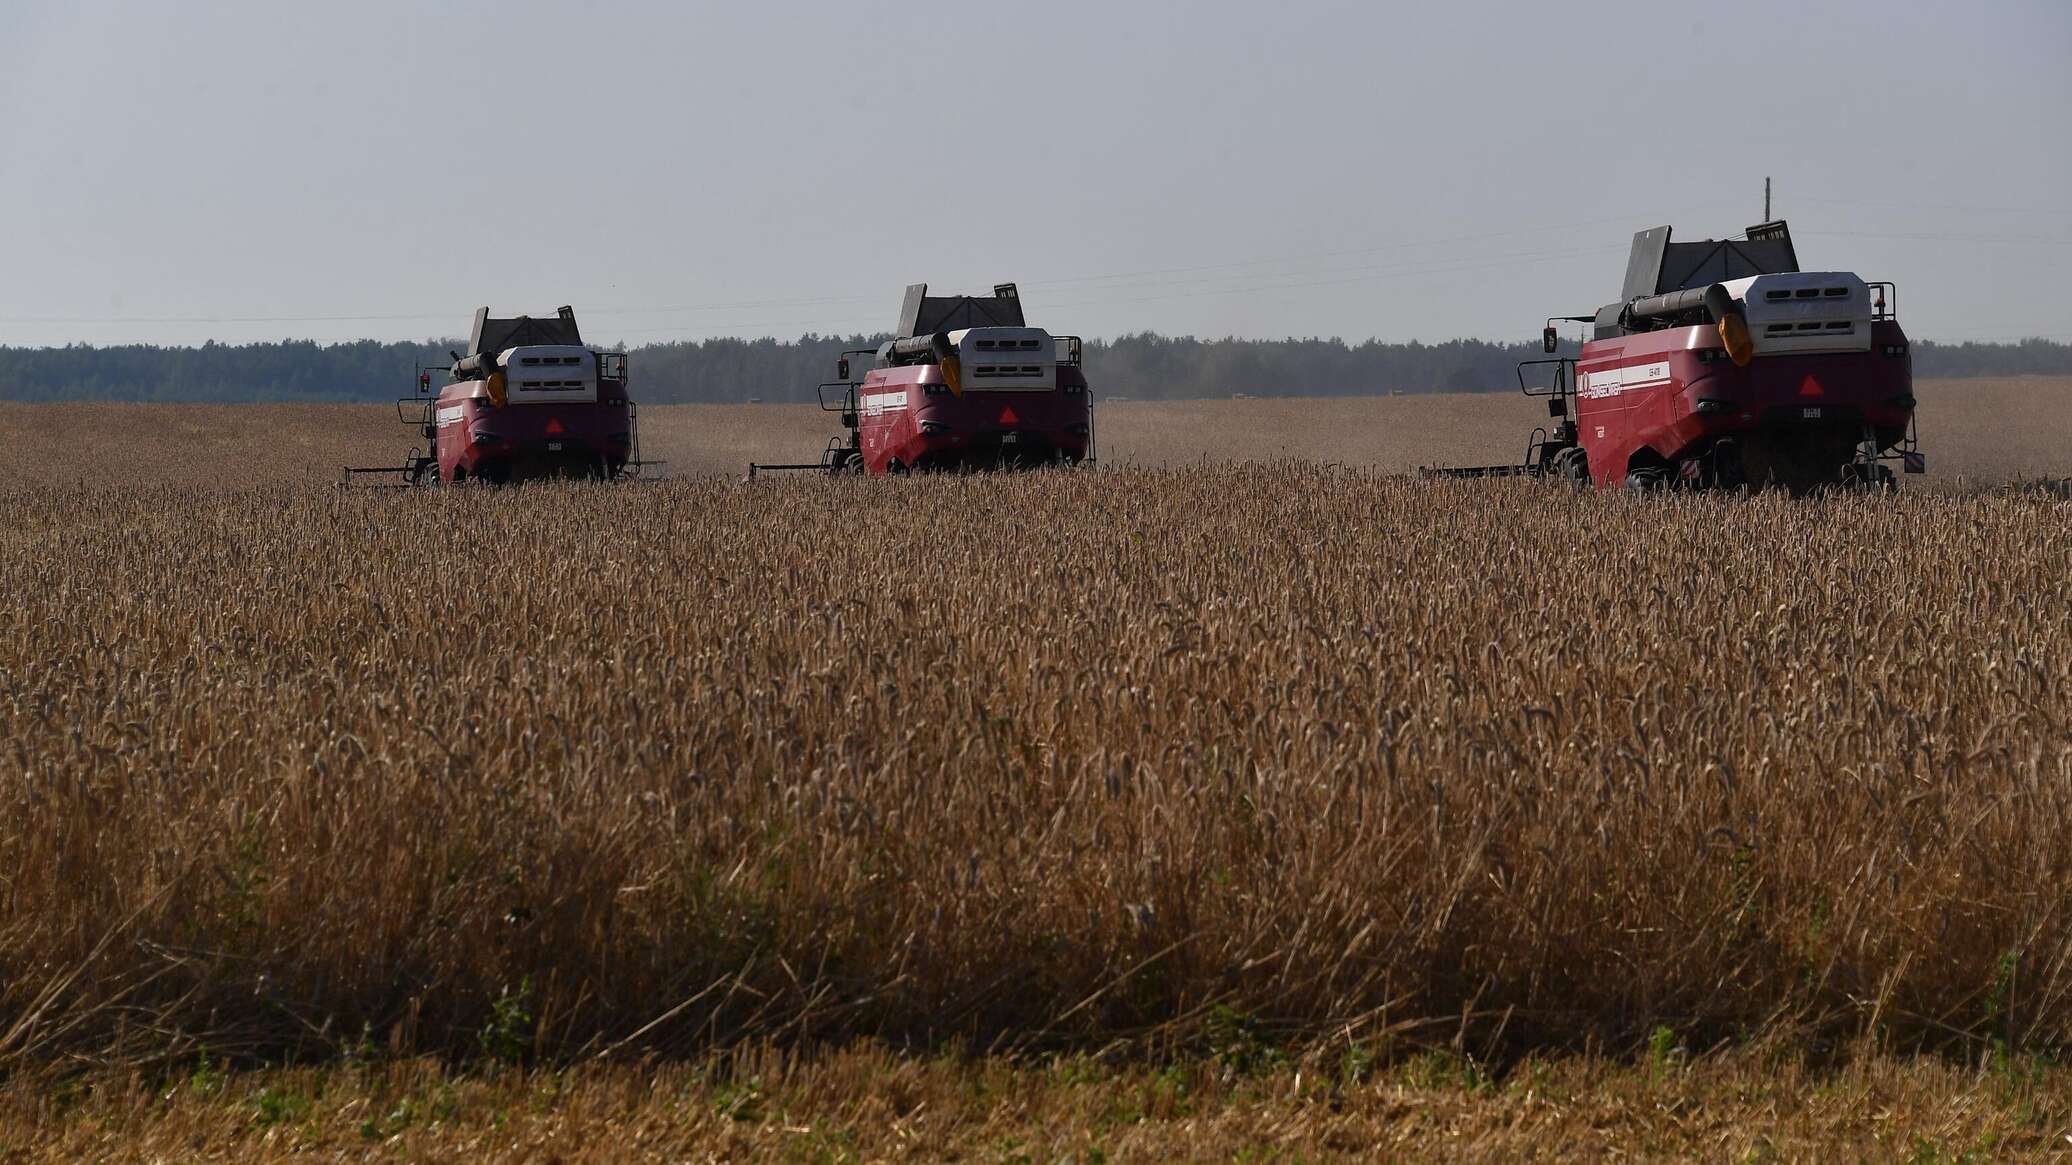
x=1249 y=754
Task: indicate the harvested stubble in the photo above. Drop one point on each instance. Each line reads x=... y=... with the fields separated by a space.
x=867 y=1104
x=1273 y=753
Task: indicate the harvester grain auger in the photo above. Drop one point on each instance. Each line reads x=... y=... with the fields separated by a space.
x=1722 y=366
x=965 y=384
x=528 y=401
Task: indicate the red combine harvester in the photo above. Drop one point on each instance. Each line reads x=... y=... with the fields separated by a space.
x=966 y=384
x=1723 y=365
x=528 y=401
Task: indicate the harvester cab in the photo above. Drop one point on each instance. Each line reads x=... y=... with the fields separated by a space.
x=528 y=400
x=965 y=383
x=1724 y=365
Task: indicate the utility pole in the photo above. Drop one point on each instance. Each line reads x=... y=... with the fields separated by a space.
x=1766 y=199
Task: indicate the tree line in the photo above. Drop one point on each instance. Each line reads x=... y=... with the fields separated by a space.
x=1139 y=366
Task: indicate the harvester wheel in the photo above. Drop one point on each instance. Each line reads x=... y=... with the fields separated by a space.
x=1869 y=478
x=1573 y=466
x=1647 y=479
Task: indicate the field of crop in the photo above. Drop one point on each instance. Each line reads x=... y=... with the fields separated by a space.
x=1973 y=431
x=1274 y=805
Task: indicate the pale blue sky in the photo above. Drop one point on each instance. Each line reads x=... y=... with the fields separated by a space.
x=178 y=172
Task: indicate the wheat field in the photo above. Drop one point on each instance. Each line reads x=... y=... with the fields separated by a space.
x=1974 y=431
x=1254 y=769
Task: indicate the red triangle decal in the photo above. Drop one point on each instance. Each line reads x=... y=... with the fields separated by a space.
x=1811 y=387
x=554 y=428
x=1007 y=416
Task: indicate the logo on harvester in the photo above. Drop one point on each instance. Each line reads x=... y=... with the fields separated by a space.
x=1811 y=387
x=1007 y=416
x=554 y=428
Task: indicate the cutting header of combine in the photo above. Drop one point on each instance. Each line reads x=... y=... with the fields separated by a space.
x=965 y=384
x=528 y=401
x=1724 y=366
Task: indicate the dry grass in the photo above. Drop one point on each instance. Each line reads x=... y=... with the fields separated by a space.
x=1974 y=430
x=865 y=1104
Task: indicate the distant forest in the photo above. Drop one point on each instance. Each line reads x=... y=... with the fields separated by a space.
x=1141 y=366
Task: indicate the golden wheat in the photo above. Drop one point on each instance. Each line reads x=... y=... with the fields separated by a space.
x=1063 y=760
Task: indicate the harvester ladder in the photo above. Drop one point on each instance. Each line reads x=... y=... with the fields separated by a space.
x=1093 y=442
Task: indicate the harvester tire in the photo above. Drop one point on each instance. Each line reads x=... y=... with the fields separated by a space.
x=1648 y=479
x=1870 y=478
x=1572 y=466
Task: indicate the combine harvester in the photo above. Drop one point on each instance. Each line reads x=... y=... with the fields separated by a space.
x=1724 y=366
x=529 y=401
x=966 y=384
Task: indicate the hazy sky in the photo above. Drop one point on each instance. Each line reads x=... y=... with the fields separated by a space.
x=175 y=172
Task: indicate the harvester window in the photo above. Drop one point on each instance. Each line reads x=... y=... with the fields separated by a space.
x=1780 y=293
x=1835 y=292
x=1809 y=293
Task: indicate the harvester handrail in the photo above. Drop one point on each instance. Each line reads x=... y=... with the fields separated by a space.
x=1564 y=376
x=845 y=403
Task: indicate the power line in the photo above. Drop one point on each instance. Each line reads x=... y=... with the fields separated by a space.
x=1147 y=276
x=1392 y=246
x=1372 y=273
x=1854 y=202
x=1935 y=237
x=1362 y=275
x=442 y=315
